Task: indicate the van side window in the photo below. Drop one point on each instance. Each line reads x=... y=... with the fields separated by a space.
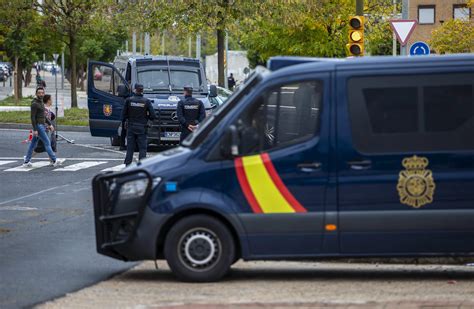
x=410 y=113
x=281 y=117
x=103 y=80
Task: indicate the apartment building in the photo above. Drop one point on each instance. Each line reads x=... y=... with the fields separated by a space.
x=430 y=14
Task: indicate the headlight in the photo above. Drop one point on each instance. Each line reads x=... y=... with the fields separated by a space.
x=133 y=189
x=136 y=188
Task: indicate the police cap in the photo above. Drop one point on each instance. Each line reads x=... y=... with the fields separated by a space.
x=138 y=87
x=188 y=88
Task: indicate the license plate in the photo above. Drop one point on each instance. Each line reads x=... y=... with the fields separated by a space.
x=170 y=136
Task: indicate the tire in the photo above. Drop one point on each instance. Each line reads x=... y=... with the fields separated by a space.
x=199 y=248
x=115 y=140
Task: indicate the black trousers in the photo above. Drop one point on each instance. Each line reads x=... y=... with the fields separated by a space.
x=136 y=135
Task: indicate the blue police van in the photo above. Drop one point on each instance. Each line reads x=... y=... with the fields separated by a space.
x=163 y=78
x=369 y=157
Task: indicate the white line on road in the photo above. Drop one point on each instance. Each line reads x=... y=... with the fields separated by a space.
x=21 y=208
x=34 y=166
x=6 y=162
x=32 y=194
x=100 y=148
x=69 y=159
x=79 y=166
x=114 y=168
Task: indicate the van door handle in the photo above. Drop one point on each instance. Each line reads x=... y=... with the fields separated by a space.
x=360 y=165
x=309 y=167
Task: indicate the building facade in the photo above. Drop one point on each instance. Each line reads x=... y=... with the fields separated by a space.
x=430 y=14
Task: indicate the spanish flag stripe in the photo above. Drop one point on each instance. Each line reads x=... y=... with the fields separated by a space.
x=280 y=185
x=264 y=189
x=244 y=184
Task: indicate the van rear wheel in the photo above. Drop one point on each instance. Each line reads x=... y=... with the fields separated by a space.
x=199 y=248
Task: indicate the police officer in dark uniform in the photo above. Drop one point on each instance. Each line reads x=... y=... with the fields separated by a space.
x=137 y=112
x=190 y=112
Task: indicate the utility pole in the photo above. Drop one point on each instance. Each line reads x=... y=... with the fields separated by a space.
x=163 y=43
x=405 y=4
x=394 y=44
x=198 y=46
x=134 y=43
x=190 y=46
x=359 y=7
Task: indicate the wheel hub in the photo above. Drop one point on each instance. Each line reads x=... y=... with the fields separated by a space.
x=199 y=249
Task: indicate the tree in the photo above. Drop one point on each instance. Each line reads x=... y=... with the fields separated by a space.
x=313 y=28
x=69 y=18
x=453 y=36
x=191 y=17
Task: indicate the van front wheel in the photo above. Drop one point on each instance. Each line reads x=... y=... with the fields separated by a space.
x=199 y=248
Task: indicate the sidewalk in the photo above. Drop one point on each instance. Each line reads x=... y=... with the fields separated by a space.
x=284 y=285
x=64 y=95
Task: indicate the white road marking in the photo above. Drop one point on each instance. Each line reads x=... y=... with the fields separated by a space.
x=34 y=166
x=21 y=208
x=6 y=162
x=100 y=148
x=114 y=168
x=69 y=159
x=79 y=166
x=33 y=194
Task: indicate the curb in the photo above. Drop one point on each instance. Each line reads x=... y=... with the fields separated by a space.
x=24 y=126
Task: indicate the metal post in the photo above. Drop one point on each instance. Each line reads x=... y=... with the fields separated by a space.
x=163 y=43
x=62 y=70
x=56 y=56
x=394 y=43
x=359 y=7
x=405 y=4
x=190 y=48
x=147 y=43
x=226 y=59
x=141 y=43
x=198 y=46
x=126 y=46
x=134 y=43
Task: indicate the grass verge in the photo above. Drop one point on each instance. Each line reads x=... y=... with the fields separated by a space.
x=10 y=101
x=72 y=117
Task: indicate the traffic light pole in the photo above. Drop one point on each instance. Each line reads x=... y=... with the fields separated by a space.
x=359 y=7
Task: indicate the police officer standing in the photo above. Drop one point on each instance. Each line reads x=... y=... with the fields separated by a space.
x=190 y=112
x=136 y=112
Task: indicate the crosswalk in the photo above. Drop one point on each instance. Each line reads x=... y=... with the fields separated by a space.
x=69 y=165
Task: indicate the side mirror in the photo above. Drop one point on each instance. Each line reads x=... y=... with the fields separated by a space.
x=230 y=145
x=122 y=91
x=213 y=91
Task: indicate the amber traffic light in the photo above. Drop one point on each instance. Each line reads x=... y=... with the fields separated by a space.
x=355 y=47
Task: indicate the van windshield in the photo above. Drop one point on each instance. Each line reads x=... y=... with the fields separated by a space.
x=159 y=79
x=211 y=121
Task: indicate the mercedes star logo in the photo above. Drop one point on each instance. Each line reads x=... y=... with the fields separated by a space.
x=174 y=116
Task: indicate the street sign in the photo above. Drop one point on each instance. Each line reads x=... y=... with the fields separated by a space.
x=419 y=49
x=403 y=28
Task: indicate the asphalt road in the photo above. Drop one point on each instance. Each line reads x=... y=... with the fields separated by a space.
x=47 y=240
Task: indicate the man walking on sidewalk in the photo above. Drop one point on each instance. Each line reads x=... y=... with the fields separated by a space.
x=38 y=120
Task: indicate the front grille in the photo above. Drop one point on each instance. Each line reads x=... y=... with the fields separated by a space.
x=167 y=117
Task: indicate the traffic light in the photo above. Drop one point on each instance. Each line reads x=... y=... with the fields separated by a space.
x=356 y=36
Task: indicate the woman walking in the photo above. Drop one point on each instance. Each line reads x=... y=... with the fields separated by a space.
x=51 y=117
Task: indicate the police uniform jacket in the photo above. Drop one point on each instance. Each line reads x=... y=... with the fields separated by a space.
x=138 y=110
x=190 y=111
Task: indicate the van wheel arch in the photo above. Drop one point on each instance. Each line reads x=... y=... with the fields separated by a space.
x=191 y=212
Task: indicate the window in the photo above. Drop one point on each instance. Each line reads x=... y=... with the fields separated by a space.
x=461 y=12
x=426 y=14
x=103 y=80
x=106 y=79
x=410 y=113
x=281 y=117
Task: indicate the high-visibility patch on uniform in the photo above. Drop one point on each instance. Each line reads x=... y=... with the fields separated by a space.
x=263 y=187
